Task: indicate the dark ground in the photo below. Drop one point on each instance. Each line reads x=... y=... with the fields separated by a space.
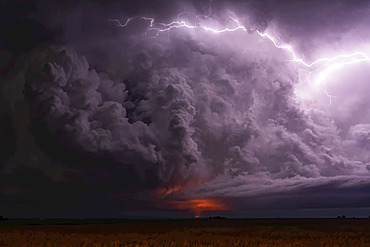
x=186 y=232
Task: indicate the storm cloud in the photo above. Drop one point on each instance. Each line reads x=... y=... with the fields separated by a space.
x=125 y=121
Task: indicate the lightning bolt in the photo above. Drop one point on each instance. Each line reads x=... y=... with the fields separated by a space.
x=327 y=65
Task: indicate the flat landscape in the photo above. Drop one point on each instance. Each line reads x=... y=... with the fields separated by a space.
x=186 y=232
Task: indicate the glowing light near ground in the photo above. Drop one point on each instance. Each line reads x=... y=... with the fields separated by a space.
x=197 y=206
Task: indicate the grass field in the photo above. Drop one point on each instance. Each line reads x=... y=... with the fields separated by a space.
x=197 y=232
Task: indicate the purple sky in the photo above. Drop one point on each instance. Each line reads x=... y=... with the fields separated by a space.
x=108 y=121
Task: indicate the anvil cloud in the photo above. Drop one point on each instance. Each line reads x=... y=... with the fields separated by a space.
x=108 y=120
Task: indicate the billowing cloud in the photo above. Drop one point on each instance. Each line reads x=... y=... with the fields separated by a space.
x=183 y=117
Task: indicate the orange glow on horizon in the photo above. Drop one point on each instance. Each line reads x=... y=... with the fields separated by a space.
x=197 y=206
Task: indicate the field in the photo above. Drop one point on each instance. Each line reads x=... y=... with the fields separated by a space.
x=190 y=232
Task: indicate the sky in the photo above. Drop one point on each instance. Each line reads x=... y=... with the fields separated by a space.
x=176 y=109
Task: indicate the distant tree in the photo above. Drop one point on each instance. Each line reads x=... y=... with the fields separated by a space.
x=339 y=217
x=2 y=218
x=343 y=217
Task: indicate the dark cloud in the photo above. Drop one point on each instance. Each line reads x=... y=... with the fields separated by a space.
x=108 y=117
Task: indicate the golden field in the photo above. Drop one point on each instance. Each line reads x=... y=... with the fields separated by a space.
x=201 y=232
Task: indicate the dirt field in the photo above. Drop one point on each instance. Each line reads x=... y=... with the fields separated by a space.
x=200 y=232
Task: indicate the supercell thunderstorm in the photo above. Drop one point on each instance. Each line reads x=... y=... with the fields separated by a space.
x=206 y=110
